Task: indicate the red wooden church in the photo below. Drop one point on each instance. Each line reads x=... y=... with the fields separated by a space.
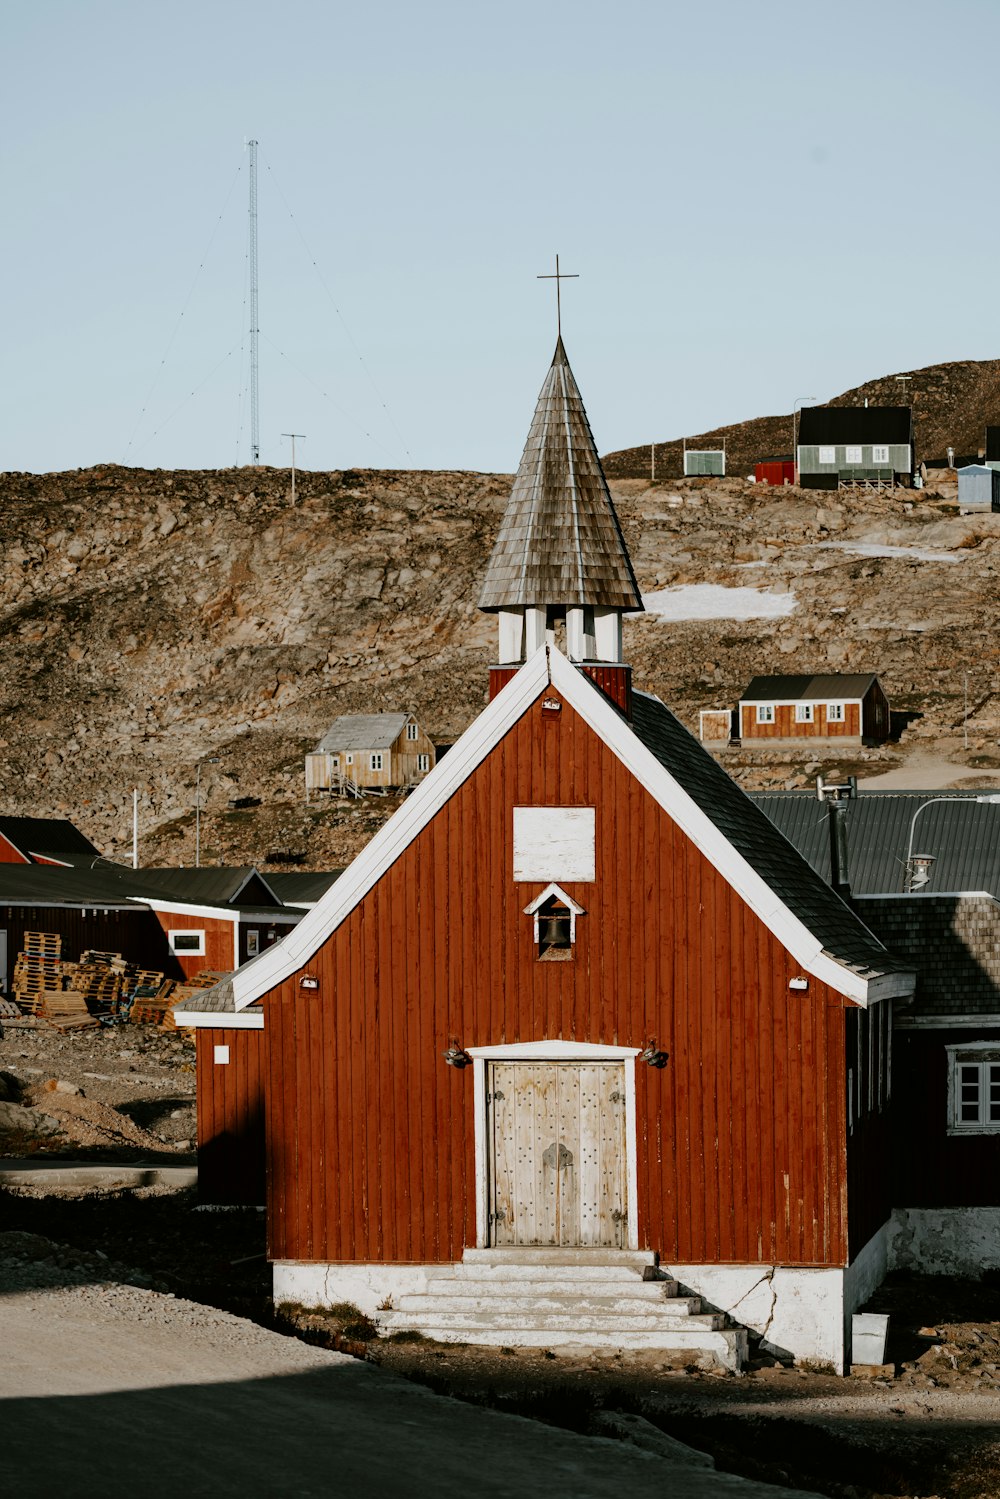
x=569 y=1053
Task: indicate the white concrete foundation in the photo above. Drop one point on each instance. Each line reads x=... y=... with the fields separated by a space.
x=945 y=1241
x=367 y=1286
x=797 y=1313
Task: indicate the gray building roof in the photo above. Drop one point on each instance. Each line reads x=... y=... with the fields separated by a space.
x=560 y=541
x=754 y=835
x=107 y=884
x=363 y=731
x=963 y=836
x=833 y=686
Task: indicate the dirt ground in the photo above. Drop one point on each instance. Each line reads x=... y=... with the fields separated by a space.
x=931 y=1428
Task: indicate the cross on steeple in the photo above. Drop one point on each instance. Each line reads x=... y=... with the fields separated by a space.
x=559 y=276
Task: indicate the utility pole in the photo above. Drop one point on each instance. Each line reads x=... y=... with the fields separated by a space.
x=652 y=463
x=135 y=827
x=212 y=760
x=293 y=436
x=254 y=393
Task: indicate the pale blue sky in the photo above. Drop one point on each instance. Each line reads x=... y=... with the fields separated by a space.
x=762 y=200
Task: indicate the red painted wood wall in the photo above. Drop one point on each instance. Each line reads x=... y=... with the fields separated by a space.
x=230 y=1117
x=741 y=1137
x=218 y=956
x=9 y=854
x=785 y=727
x=135 y=933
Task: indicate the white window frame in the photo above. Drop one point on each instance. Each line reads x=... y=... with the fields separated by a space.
x=375 y=760
x=187 y=952
x=765 y=713
x=982 y=1057
x=423 y=762
x=804 y=713
x=220 y=1055
x=836 y=713
x=349 y=759
x=854 y=454
x=412 y=732
x=880 y=453
x=253 y=941
x=826 y=455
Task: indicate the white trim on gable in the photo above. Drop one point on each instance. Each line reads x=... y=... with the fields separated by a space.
x=571 y=905
x=548 y=667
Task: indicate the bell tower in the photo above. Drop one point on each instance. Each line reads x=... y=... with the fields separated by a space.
x=560 y=572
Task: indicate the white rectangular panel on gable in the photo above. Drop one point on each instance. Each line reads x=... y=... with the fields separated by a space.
x=553 y=843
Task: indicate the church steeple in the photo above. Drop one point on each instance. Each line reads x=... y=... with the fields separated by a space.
x=560 y=555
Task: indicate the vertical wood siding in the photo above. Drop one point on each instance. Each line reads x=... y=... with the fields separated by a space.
x=785 y=727
x=218 y=954
x=135 y=933
x=932 y=1168
x=741 y=1137
x=230 y=1117
x=9 y=854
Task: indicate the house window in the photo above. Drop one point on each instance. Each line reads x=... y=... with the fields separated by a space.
x=253 y=942
x=852 y=455
x=835 y=713
x=423 y=762
x=350 y=759
x=880 y=453
x=827 y=455
x=336 y=759
x=411 y=731
x=765 y=713
x=974 y=1090
x=191 y=944
x=374 y=762
x=803 y=712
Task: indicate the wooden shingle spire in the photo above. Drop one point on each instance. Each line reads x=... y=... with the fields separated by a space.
x=560 y=543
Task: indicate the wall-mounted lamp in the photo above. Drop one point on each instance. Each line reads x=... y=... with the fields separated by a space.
x=308 y=981
x=918 y=871
x=456 y=1057
x=653 y=1057
x=798 y=983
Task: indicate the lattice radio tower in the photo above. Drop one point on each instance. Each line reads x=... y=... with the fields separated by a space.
x=254 y=393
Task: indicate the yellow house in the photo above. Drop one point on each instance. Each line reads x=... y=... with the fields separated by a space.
x=369 y=752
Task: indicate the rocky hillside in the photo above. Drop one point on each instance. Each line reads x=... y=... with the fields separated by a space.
x=952 y=405
x=149 y=620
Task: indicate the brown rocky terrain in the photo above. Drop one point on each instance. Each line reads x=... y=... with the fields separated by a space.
x=952 y=406
x=150 y=619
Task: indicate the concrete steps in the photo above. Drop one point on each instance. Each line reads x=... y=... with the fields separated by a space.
x=562 y=1298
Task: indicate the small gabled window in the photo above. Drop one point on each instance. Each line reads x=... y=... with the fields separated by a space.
x=411 y=731
x=554 y=914
x=765 y=713
x=803 y=712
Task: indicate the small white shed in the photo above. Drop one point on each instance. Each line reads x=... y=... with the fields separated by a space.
x=978 y=487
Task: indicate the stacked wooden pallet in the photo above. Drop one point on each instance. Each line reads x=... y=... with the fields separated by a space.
x=37 y=971
x=159 y=1009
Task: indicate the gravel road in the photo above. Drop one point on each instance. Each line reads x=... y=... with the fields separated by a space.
x=110 y=1390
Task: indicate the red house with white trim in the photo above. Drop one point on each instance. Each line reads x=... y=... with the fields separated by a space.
x=566 y=1053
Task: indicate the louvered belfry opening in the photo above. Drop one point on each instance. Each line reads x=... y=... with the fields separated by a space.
x=560 y=572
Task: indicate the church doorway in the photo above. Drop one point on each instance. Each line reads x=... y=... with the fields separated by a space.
x=556 y=1154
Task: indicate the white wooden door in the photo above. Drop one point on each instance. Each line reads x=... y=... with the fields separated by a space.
x=556 y=1138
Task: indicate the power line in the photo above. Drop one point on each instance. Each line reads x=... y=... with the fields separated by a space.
x=319 y=274
x=181 y=404
x=177 y=325
x=326 y=396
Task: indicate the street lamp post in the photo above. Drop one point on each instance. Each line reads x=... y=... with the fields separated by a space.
x=795 y=452
x=212 y=760
x=911 y=858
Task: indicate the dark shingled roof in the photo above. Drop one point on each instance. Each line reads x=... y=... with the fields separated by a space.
x=834 y=686
x=838 y=425
x=842 y=933
x=560 y=541
x=54 y=836
x=107 y=884
x=953 y=941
